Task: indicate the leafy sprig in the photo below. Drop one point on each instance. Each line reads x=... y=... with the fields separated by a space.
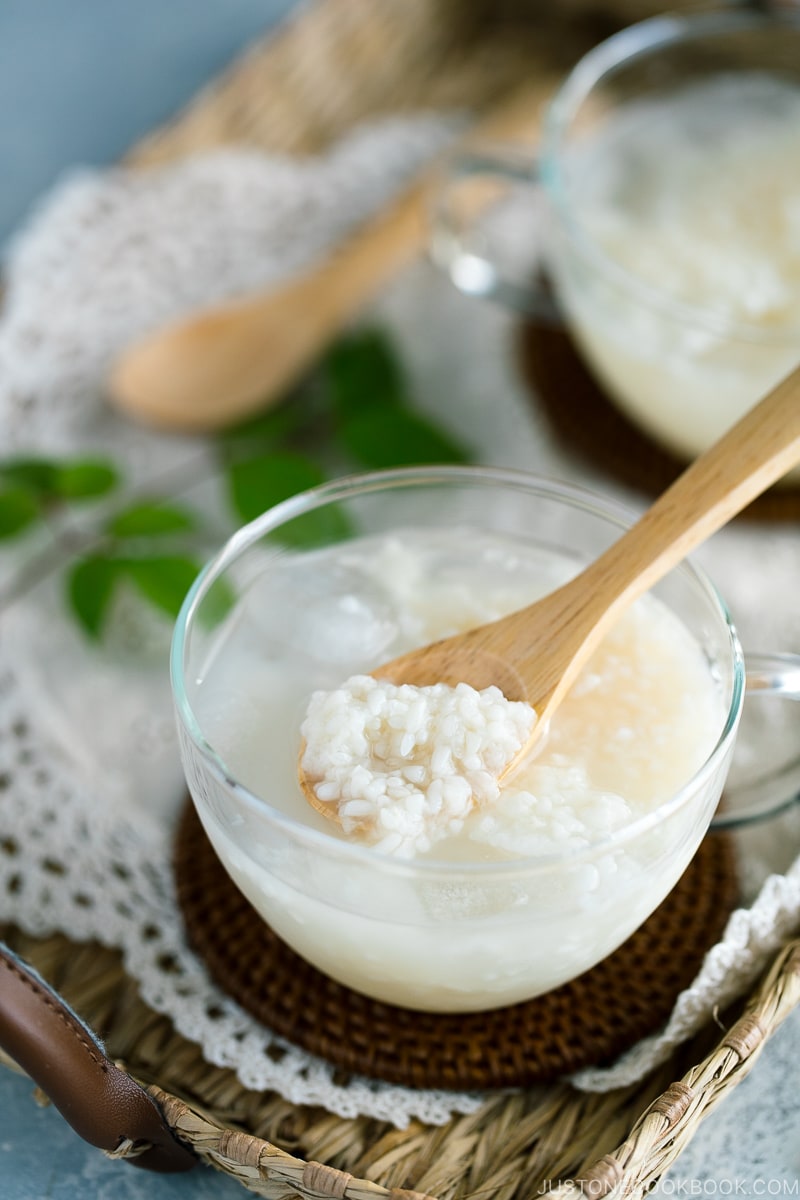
x=354 y=412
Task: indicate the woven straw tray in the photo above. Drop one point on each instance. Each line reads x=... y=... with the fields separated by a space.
x=336 y=63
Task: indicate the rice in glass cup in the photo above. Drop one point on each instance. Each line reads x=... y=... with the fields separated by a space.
x=451 y=930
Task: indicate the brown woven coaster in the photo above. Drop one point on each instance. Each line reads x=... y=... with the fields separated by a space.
x=586 y=1022
x=591 y=426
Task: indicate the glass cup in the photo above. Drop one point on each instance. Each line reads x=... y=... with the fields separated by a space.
x=423 y=933
x=682 y=340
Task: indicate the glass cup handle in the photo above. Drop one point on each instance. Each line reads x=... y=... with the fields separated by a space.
x=754 y=799
x=461 y=245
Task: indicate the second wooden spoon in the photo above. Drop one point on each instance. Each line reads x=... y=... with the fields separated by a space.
x=220 y=366
x=536 y=653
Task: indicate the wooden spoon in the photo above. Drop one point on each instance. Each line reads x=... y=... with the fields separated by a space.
x=536 y=653
x=223 y=365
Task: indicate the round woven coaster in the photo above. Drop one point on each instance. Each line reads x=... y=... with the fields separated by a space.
x=586 y=1022
x=591 y=426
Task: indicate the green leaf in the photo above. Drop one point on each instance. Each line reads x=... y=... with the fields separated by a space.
x=84 y=479
x=81 y=479
x=259 y=483
x=269 y=427
x=363 y=372
x=36 y=475
x=150 y=518
x=163 y=579
x=397 y=437
x=264 y=481
x=90 y=586
x=18 y=510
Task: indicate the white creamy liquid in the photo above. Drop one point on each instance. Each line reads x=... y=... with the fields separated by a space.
x=697 y=197
x=638 y=724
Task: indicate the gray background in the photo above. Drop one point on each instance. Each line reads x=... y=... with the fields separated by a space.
x=80 y=80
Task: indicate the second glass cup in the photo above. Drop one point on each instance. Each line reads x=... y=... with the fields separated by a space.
x=669 y=166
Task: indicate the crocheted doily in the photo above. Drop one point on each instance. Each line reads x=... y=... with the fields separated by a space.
x=89 y=776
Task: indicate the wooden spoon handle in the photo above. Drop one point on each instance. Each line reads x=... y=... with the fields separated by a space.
x=224 y=364
x=551 y=641
x=753 y=454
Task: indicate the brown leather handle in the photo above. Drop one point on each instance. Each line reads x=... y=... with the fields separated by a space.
x=104 y=1105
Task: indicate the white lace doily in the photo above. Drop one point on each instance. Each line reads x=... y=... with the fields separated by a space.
x=89 y=776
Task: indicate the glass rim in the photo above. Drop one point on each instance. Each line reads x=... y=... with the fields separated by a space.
x=617 y=51
x=578 y=497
